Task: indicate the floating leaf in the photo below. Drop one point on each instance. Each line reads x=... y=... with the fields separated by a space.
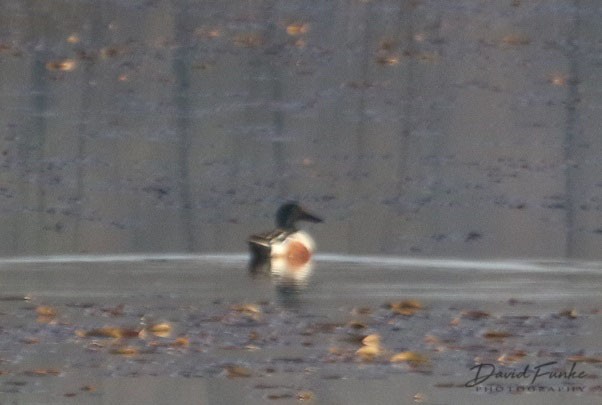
x=181 y=342
x=88 y=388
x=368 y=353
x=455 y=322
x=387 y=60
x=370 y=349
x=405 y=307
x=125 y=351
x=42 y=372
x=73 y=39
x=111 y=332
x=296 y=29
x=584 y=359
x=45 y=313
x=234 y=371
x=64 y=65
x=474 y=314
x=246 y=308
x=162 y=329
x=305 y=396
x=419 y=397
x=279 y=396
x=252 y=311
x=515 y=40
x=569 y=313
x=496 y=334
x=371 y=340
x=558 y=79
x=44 y=310
x=410 y=357
x=513 y=357
x=361 y=311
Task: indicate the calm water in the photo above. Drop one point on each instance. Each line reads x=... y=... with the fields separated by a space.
x=425 y=128
x=296 y=341
x=142 y=141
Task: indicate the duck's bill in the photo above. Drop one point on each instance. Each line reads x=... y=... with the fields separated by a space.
x=306 y=216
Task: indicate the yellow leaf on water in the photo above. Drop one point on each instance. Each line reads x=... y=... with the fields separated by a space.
x=371 y=340
x=387 y=60
x=252 y=311
x=162 y=329
x=107 y=331
x=73 y=39
x=44 y=310
x=181 y=342
x=125 y=351
x=558 y=79
x=64 y=65
x=513 y=357
x=305 y=396
x=405 y=307
x=368 y=353
x=296 y=29
x=409 y=357
x=246 y=308
x=111 y=332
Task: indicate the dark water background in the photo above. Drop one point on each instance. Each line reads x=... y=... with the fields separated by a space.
x=426 y=128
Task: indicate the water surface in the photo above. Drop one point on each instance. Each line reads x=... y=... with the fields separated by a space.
x=237 y=338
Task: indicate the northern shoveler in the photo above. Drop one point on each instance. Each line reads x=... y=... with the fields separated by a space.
x=286 y=244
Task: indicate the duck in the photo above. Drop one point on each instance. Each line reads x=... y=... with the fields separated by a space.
x=286 y=246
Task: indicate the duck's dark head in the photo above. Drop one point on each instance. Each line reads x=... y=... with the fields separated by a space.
x=289 y=213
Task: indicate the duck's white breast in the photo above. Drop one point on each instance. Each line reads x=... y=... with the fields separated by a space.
x=281 y=248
